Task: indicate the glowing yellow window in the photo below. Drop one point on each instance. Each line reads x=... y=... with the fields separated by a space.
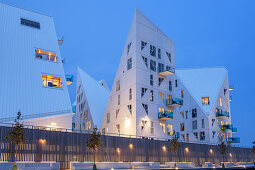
x=45 y=55
x=51 y=81
x=221 y=102
x=161 y=109
x=163 y=126
x=205 y=101
x=162 y=96
x=170 y=129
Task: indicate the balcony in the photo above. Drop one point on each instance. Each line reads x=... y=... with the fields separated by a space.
x=166 y=72
x=233 y=140
x=231 y=87
x=60 y=39
x=165 y=115
x=223 y=114
x=229 y=127
x=69 y=79
x=174 y=102
x=230 y=98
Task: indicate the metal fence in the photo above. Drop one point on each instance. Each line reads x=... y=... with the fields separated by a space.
x=65 y=147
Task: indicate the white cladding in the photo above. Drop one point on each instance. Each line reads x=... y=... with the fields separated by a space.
x=21 y=85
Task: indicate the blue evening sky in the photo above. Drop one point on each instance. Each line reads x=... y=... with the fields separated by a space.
x=206 y=34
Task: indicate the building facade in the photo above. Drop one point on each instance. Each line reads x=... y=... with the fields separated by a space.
x=31 y=70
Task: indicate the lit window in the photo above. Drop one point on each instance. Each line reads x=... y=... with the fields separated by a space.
x=168 y=97
x=170 y=129
x=182 y=127
x=161 y=109
x=183 y=137
x=220 y=101
x=129 y=63
x=205 y=101
x=89 y=124
x=162 y=96
x=182 y=113
x=51 y=81
x=118 y=85
x=30 y=23
x=153 y=50
x=182 y=94
x=187 y=137
x=45 y=55
x=187 y=114
x=151 y=80
x=153 y=65
x=151 y=95
x=143 y=44
x=163 y=126
x=108 y=118
x=118 y=127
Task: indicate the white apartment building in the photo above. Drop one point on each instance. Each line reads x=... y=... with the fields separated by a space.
x=150 y=99
x=31 y=70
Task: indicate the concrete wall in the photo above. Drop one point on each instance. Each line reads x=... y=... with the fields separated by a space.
x=65 y=147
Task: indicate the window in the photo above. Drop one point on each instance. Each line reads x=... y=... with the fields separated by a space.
x=169 y=56
x=194 y=124
x=194 y=113
x=183 y=137
x=151 y=95
x=170 y=131
x=86 y=114
x=170 y=86
x=117 y=113
x=88 y=125
x=145 y=106
x=220 y=101
x=45 y=55
x=160 y=80
x=118 y=85
x=163 y=126
x=213 y=120
x=143 y=91
x=30 y=23
x=160 y=67
x=213 y=133
x=159 y=53
x=182 y=128
x=118 y=99
x=130 y=94
x=144 y=122
x=162 y=96
x=108 y=118
x=225 y=91
x=153 y=65
x=151 y=80
x=130 y=108
x=118 y=127
x=182 y=94
x=196 y=135
x=205 y=101
x=202 y=136
x=145 y=61
x=176 y=85
x=182 y=113
x=51 y=81
x=161 y=109
x=203 y=123
x=152 y=127
x=143 y=44
x=187 y=137
x=153 y=50
x=187 y=114
x=128 y=47
x=129 y=63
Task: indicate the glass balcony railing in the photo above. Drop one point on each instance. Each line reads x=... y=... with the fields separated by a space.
x=174 y=102
x=165 y=71
x=165 y=115
x=69 y=79
x=229 y=127
x=222 y=114
x=233 y=140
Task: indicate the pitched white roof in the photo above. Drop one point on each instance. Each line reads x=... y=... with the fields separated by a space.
x=97 y=96
x=203 y=82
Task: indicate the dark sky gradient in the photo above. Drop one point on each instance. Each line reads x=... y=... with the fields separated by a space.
x=206 y=34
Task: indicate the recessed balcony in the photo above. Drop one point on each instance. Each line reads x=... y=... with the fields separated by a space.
x=166 y=72
x=233 y=140
x=69 y=79
x=222 y=114
x=165 y=115
x=174 y=102
x=229 y=127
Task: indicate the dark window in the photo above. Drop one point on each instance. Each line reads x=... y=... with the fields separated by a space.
x=143 y=44
x=128 y=47
x=129 y=63
x=151 y=80
x=194 y=113
x=169 y=56
x=160 y=67
x=176 y=85
x=159 y=53
x=170 y=86
x=153 y=50
x=30 y=23
x=153 y=65
x=160 y=81
x=145 y=61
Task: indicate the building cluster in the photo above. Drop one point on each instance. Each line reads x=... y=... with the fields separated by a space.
x=149 y=97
